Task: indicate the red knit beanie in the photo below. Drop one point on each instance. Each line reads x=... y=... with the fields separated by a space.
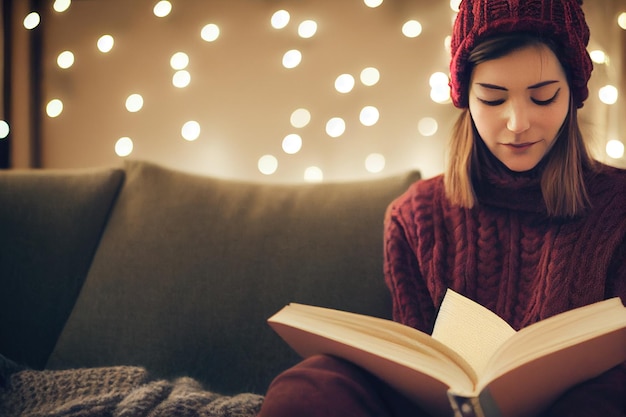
x=560 y=20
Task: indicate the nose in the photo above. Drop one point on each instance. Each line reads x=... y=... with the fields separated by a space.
x=518 y=120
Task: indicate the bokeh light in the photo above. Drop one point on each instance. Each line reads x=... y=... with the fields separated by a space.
x=267 y=164
x=292 y=144
x=124 y=146
x=134 y=102
x=280 y=19
x=210 y=32
x=162 y=8
x=4 y=129
x=300 y=118
x=615 y=149
x=335 y=127
x=307 y=29
x=190 y=130
x=105 y=43
x=292 y=58
x=313 y=174
x=344 y=83
x=65 y=59
x=608 y=94
x=32 y=20
x=54 y=108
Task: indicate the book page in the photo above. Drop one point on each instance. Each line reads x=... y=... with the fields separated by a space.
x=557 y=333
x=384 y=338
x=470 y=329
x=528 y=389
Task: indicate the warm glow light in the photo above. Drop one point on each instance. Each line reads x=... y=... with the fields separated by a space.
x=210 y=32
x=344 y=83
x=335 y=127
x=61 y=5
x=370 y=76
x=54 y=107
x=615 y=149
x=440 y=94
x=4 y=129
x=190 y=130
x=134 y=103
x=280 y=19
x=181 y=79
x=292 y=58
x=65 y=59
x=179 y=61
x=455 y=4
x=162 y=8
x=124 y=146
x=621 y=20
x=313 y=174
x=292 y=144
x=300 y=118
x=307 y=29
x=608 y=94
x=32 y=20
x=268 y=164
x=105 y=43
x=439 y=88
x=373 y=3
x=375 y=163
x=369 y=116
x=438 y=79
x=598 y=56
x=427 y=126
x=412 y=29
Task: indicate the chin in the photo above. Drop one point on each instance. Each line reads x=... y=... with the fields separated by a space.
x=519 y=166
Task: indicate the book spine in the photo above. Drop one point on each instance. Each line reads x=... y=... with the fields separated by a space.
x=481 y=406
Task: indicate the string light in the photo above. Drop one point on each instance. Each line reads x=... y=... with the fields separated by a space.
x=301 y=118
x=32 y=20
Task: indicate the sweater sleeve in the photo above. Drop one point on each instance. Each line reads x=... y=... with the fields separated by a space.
x=412 y=304
x=605 y=395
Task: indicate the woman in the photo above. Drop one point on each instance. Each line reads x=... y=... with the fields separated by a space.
x=523 y=220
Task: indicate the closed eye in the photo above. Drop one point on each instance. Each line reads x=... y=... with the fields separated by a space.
x=491 y=102
x=548 y=101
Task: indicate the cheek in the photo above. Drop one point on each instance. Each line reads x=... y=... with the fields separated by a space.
x=554 y=120
x=486 y=122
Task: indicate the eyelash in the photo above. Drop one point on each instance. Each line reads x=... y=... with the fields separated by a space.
x=548 y=101
x=537 y=102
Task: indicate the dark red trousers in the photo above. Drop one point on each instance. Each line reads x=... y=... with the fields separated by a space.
x=330 y=387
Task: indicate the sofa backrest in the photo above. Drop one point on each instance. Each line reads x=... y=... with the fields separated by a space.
x=50 y=226
x=189 y=269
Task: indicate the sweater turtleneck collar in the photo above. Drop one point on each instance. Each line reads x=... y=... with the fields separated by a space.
x=498 y=186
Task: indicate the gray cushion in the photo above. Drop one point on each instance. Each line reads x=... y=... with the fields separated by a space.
x=190 y=268
x=50 y=225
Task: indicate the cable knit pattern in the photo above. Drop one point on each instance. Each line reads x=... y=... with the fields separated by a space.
x=121 y=391
x=508 y=255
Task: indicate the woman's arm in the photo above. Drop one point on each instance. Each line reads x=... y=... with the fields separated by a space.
x=605 y=395
x=412 y=303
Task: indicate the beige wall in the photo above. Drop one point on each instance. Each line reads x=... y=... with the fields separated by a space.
x=242 y=96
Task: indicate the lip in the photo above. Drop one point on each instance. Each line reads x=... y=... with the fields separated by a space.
x=519 y=146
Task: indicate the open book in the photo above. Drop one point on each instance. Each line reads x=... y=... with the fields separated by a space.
x=474 y=364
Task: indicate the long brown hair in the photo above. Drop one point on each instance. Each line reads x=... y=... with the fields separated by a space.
x=562 y=181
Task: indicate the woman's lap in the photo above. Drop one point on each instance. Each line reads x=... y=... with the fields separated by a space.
x=329 y=387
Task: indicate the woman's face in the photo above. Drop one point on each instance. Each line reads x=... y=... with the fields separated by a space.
x=518 y=103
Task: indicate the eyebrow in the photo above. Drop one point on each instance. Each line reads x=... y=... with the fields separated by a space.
x=532 y=87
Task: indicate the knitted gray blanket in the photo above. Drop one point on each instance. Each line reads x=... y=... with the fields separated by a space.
x=122 y=391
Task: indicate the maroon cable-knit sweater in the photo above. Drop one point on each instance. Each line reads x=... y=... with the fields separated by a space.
x=509 y=256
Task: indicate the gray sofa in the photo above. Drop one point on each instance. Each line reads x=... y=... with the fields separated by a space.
x=147 y=266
